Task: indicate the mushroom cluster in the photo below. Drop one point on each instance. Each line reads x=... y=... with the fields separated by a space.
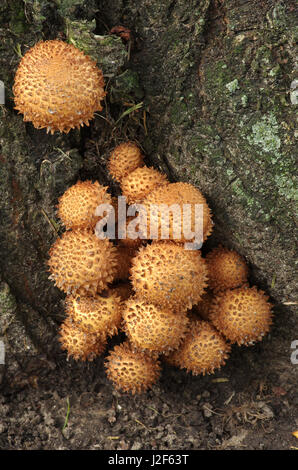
x=150 y=283
x=173 y=305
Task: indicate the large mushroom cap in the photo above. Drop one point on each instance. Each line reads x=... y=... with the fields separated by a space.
x=151 y=328
x=77 y=206
x=226 y=269
x=167 y=275
x=242 y=315
x=182 y=212
x=79 y=344
x=131 y=370
x=81 y=263
x=58 y=87
x=99 y=315
x=202 y=351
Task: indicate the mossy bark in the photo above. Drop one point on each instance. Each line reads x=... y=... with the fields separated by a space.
x=215 y=80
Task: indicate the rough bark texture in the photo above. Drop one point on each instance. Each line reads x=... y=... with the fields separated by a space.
x=218 y=110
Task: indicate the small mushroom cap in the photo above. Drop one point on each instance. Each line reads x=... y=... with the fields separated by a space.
x=79 y=344
x=226 y=269
x=141 y=182
x=242 y=315
x=124 y=159
x=131 y=370
x=202 y=351
x=167 y=275
x=151 y=328
x=77 y=206
x=81 y=263
x=99 y=315
x=179 y=213
x=58 y=87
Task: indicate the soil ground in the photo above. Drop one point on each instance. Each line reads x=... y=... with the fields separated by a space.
x=251 y=403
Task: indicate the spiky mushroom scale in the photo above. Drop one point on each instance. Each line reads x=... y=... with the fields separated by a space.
x=81 y=263
x=242 y=315
x=167 y=275
x=99 y=315
x=226 y=269
x=184 y=219
x=152 y=329
x=203 y=350
x=80 y=345
x=77 y=205
x=58 y=87
x=131 y=370
x=124 y=159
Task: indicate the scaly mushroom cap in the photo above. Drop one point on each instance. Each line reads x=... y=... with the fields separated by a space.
x=58 y=87
x=152 y=329
x=140 y=182
x=180 y=229
x=131 y=370
x=80 y=262
x=99 y=315
x=226 y=269
x=124 y=159
x=242 y=315
x=202 y=351
x=76 y=207
x=167 y=275
x=79 y=344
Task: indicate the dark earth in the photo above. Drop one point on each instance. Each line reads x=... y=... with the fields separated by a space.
x=207 y=89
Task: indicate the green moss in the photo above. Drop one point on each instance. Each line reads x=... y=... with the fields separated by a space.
x=178 y=112
x=7 y=301
x=126 y=87
x=67 y=7
x=109 y=51
x=18 y=23
x=217 y=75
